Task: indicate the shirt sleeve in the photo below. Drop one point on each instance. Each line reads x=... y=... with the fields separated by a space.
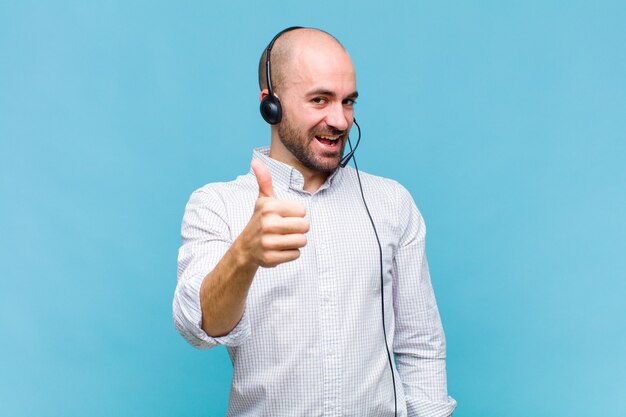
x=419 y=342
x=205 y=238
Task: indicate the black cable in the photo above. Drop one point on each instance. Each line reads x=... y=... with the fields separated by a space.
x=382 y=291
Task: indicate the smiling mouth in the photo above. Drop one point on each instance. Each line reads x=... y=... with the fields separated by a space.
x=328 y=140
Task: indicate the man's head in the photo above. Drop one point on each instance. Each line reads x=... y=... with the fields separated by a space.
x=314 y=78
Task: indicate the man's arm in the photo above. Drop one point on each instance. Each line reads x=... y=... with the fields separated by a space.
x=274 y=235
x=419 y=342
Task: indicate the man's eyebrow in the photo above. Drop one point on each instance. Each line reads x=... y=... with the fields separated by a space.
x=325 y=92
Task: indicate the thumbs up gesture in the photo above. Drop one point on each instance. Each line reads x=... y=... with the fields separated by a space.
x=276 y=230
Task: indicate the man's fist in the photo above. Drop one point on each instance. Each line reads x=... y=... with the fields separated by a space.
x=276 y=231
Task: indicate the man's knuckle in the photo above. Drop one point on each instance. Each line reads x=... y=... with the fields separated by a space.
x=267 y=226
x=266 y=242
x=268 y=206
x=273 y=259
x=265 y=259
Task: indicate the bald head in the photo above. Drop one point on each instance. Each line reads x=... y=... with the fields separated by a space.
x=286 y=47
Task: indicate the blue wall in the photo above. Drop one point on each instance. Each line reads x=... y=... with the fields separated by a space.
x=506 y=122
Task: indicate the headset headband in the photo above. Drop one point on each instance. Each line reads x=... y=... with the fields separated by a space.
x=269 y=52
x=270 y=106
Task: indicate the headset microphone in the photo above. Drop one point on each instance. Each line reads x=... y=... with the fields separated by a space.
x=344 y=161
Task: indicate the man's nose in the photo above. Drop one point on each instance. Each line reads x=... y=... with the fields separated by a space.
x=338 y=117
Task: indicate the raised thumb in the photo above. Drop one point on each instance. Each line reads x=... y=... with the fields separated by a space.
x=263 y=178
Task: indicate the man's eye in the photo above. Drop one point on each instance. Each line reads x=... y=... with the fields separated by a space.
x=318 y=100
x=349 y=102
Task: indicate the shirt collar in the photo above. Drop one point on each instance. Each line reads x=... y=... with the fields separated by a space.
x=285 y=176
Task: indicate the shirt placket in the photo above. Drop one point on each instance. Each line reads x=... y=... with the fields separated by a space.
x=328 y=305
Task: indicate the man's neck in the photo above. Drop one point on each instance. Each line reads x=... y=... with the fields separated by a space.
x=313 y=179
x=313 y=182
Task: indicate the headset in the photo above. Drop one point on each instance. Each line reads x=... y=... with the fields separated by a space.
x=271 y=109
x=272 y=113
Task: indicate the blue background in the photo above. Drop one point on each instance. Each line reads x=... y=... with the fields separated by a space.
x=506 y=121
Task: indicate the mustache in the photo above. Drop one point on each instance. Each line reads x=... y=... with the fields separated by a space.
x=331 y=131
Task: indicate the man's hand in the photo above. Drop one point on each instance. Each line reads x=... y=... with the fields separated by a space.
x=276 y=230
x=274 y=234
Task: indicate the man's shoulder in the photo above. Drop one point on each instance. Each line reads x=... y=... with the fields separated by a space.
x=226 y=192
x=240 y=184
x=377 y=183
x=388 y=200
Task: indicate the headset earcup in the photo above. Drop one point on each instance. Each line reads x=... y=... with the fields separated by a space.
x=271 y=110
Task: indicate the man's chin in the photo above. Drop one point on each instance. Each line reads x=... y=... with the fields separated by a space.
x=329 y=164
x=322 y=164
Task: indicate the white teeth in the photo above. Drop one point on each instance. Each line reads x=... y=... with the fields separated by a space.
x=328 y=137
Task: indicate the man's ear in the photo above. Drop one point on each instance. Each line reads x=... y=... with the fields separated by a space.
x=263 y=94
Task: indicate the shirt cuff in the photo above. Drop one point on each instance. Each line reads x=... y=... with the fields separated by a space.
x=234 y=338
x=188 y=320
x=421 y=407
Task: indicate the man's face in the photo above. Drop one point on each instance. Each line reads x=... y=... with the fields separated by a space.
x=317 y=97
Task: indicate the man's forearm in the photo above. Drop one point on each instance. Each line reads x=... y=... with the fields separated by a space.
x=224 y=291
x=274 y=235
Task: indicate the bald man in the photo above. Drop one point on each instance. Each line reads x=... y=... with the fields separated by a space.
x=282 y=265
